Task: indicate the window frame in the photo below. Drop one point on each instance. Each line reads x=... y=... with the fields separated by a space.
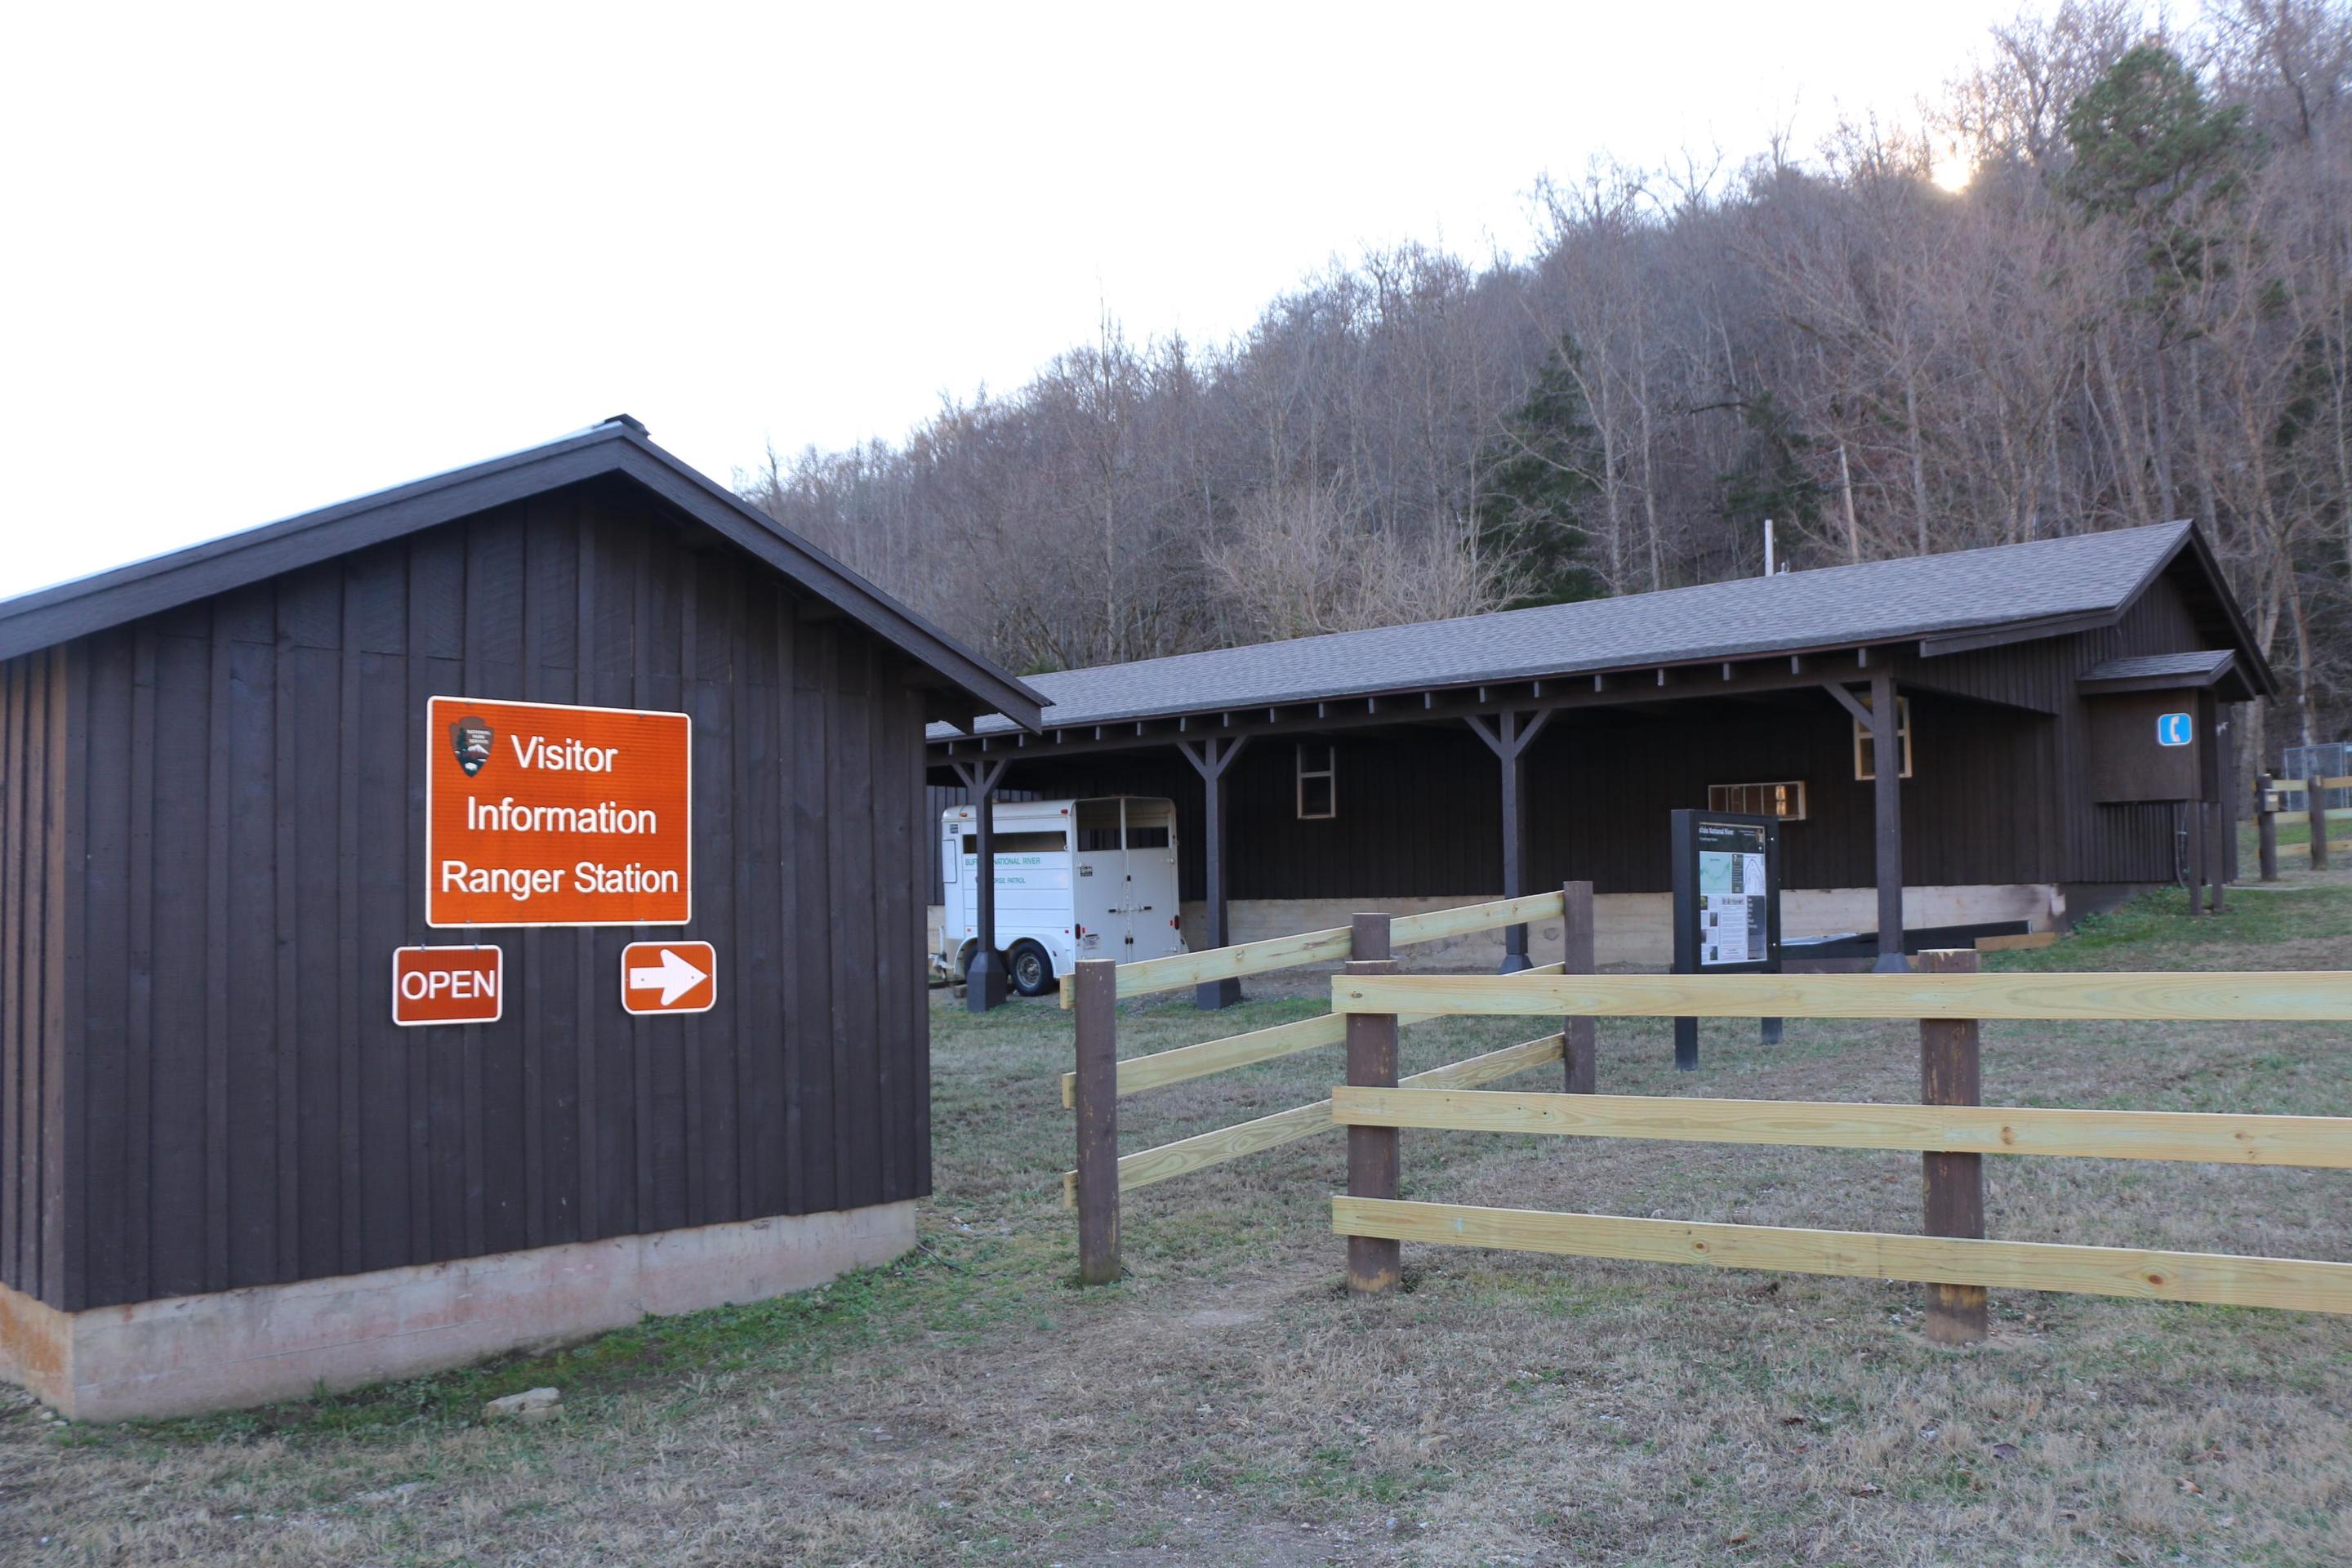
x=1862 y=739
x=1329 y=773
x=1740 y=804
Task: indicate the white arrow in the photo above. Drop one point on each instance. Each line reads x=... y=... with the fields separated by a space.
x=674 y=978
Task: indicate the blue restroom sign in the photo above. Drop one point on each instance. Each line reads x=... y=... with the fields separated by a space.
x=2172 y=729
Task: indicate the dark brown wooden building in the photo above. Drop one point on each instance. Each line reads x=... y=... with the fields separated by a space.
x=212 y=840
x=1427 y=765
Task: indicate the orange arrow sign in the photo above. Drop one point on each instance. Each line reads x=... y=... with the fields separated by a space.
x=669 y=977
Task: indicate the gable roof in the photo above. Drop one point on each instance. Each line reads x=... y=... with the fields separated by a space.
x=1967 y=598
x=618 y=445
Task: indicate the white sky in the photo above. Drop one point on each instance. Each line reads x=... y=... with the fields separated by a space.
x=258 y=258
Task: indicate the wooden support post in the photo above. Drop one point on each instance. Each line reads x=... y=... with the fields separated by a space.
x=1373 y=1267
x=2316 y=800
x=1949 y=1074
x=1580 y=1037
x=2267 y=825
x=1681 y=855
x=1210 y=757
x=1886 y=806
x=983 y=981
x=1883 y=718
x=1096 y=1093
x=1515 y=853
x=2194 y=811
x=1508 y=735
x=2212 y=790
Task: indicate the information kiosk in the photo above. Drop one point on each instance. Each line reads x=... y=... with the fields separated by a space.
x=1726 y=873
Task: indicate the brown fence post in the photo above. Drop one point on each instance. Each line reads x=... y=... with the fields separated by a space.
x=2315 y=800
x=1948 y=1075
x=2267 y=825
x=1373 y=1263
x=1580 y=1040
x=1098 y=1107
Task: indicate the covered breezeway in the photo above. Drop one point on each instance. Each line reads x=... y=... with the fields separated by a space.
x=1316 y=777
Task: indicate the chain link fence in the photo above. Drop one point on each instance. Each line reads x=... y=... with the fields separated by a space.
x=2332 y=760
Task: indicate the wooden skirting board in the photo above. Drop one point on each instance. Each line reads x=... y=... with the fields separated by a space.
x=2324 y=1142
x=2320 y=996
x=2216 y=1277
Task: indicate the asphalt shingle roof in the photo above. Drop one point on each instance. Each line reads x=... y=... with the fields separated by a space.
x=1876 y=600
x=2139 y=666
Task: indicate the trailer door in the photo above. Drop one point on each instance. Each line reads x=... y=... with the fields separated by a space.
x=1125 y=889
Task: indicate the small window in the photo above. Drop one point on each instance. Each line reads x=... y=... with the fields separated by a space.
x=1785 y=800
x=1097 y=825
x=1864 y=765
x=1030 y=843
x=1318 y=784
x=1151 y=824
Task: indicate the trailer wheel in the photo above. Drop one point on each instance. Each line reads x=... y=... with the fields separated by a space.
x=1031 y=971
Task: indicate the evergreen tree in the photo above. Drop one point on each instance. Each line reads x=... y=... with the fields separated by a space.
x=1541 y=480
x=2150 y=150
x=1773 y=477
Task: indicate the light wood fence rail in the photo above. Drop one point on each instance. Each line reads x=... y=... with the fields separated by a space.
x=1182 y=970
x=1951 y=1132
x=1099 y=1079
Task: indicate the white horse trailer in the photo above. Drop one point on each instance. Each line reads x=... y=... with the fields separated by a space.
x=1074 y=879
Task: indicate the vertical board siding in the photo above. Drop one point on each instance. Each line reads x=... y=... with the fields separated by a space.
x=1421 y=815
x=106 y=1003
x=200 y=1084
x=14 y=1034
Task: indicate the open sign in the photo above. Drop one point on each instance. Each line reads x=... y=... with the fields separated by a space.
x=448 y=985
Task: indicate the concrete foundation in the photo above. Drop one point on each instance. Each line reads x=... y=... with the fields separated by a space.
x=187 y=1355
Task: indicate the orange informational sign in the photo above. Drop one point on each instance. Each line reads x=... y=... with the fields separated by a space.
x=538 y=814
x=669 y=977
x=448 y=984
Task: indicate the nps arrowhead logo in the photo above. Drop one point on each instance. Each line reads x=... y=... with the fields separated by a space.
x=471 y=739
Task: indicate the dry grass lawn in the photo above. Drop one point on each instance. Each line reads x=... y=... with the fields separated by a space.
x=1226 y=1404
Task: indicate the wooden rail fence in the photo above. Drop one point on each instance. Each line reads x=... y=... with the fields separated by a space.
x=1099 y=1079
x=1951 y=1131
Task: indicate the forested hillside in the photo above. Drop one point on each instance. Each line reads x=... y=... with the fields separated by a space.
x=2105 y=280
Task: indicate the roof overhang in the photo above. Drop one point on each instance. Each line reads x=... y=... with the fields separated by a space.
x=2218 y=669
x=1631 y=687
x=617 y=446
